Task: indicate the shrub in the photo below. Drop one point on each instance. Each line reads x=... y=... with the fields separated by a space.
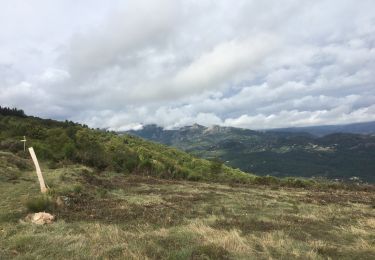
x=42 y=151
x=194 y=176
x=69 y=151
x=146 y=164
x=11 y=145
x=296 y=183
x=181 y=173
x=131 y=163
x=39 y=203
x=216 y=166
x=266 y=180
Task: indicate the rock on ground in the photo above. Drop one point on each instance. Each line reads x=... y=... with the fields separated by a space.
x=40 y=218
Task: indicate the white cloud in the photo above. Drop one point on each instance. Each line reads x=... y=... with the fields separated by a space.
x=245 y=63
x=295 y=118
x=51 y=76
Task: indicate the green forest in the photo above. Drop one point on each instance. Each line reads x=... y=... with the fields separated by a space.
x=62 y=143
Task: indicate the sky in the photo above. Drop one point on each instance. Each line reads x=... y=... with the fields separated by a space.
x=251 y=64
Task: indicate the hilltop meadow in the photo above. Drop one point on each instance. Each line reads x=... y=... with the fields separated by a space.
x=127 y=198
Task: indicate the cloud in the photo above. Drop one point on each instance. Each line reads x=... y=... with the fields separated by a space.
x=248 y=64
x=53 y=76
x=210 y=71
x=138 y=25
x=339 y=115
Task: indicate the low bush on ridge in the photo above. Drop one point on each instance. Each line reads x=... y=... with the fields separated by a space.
x=39 y=203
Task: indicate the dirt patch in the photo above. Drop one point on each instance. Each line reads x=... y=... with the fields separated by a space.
x=118 y=182
x=93 y=180
x=83 y=207
x=139 y=179
x=338 y=197
x=185 y=197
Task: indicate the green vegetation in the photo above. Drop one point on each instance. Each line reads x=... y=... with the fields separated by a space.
x=121 y=197
x=7 y=111
x=281 y=154
x=39 y=203
x=64 y=143
x=11 y=166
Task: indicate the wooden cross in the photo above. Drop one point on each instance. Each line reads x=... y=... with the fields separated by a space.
x=24 y=143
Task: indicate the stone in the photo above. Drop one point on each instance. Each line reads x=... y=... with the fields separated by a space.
x=40 y=218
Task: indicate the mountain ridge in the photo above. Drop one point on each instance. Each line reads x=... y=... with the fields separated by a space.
x=278 y=153
x=367 y=128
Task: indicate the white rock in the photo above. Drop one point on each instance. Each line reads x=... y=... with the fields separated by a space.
x=40 y=218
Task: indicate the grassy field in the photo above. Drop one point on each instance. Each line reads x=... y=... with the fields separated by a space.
x=111 y=215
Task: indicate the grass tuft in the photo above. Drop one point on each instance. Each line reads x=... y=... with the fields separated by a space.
x=39 y=203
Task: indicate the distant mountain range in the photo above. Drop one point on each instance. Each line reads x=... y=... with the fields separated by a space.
x=356 y=128
x=305 y=152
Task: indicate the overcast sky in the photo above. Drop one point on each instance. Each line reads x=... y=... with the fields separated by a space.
x=252 y=64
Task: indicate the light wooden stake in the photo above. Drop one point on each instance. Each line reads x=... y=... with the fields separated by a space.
x=24 y=143
x=43 y=187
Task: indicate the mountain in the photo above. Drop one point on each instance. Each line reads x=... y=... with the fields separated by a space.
x=277 y=153
x=58 y=143
x=367 y=128
x=122 y=197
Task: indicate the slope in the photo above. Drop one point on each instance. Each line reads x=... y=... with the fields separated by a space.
x=121 y=197
x=322 y=130
x=335 y=156
x=111 y=215
x=62 y=143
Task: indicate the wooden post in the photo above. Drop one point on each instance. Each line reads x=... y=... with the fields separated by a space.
x=43 y=187
x=24 y=143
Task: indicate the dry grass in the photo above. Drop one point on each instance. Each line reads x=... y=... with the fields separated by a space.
x=134 y=217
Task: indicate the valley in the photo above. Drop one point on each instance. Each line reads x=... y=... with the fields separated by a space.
x=339 y=156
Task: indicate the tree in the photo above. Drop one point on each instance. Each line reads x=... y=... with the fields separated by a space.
x=7 y=111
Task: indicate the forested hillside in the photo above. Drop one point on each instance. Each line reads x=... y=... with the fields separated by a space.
x=334 y=156
x=63 y=143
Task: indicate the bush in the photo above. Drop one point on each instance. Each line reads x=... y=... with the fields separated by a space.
x=266 y=180
x=69 y=151
x=295 y=183
x=216 y=166
x=11 y=145
x=39 y=204
x=131 y=162
x=146 y=164
x=181 y=173
x=42 y=151
x=194 y=177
